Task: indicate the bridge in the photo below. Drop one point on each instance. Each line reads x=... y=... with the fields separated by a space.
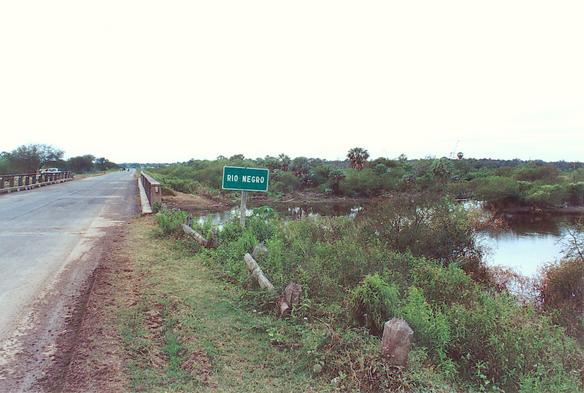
x=28 y=181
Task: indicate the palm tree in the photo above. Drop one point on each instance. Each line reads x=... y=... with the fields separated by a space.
x=358 y=157
x=335 y=176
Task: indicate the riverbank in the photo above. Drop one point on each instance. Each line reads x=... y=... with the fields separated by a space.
x=569 y=210
x=353 y=274
x=201 y=203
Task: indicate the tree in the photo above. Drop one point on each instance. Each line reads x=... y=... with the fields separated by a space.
x=272 y=163
x=358 y=157
x=30 y=158
x=335 y=176
x=103 y=164
x=237 y=157
x=81 y=163
x=284 y=161
x=441 y=169
x=300 y=166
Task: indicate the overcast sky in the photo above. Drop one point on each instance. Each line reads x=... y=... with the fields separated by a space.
x=165 y=81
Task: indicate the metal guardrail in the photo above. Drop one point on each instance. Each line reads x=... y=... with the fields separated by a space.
x=152 y=187
x=27 y=181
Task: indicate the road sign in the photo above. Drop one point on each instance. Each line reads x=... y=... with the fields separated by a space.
x=245 y=179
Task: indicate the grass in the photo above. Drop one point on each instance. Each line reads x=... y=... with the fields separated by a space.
x=189 y=331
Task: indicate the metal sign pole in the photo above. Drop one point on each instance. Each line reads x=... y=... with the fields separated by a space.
x=243 y=208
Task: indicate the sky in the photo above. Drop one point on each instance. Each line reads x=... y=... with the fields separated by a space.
x=166 y=81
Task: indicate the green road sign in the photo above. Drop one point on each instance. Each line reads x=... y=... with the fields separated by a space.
x=245 y=179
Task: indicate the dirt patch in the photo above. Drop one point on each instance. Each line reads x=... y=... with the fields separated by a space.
x=194 y=203
x=199 y=367
x=91 y=359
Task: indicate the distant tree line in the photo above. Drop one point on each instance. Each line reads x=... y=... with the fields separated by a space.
x=33 y=157
x=500 y=182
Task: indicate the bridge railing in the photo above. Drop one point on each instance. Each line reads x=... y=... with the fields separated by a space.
x=27 y=181
x=152 y=187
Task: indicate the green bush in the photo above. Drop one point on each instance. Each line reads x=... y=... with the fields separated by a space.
x=374 y=300
x=496 y=189
x=284 y=182
x=537 y=172
x=546 y=195
x=431 y=329
x=575 y=193
x=170 y=220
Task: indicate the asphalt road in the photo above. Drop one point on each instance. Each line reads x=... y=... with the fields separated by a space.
x=47 y=234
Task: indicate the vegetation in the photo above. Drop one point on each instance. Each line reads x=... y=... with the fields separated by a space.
x=500 y=183
x=415 y=259
x=31 y=158
x=184 y=330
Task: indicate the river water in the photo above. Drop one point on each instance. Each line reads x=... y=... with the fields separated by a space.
x=528 y=244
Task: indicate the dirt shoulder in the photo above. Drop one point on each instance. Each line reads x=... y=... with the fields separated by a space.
x=95 y=360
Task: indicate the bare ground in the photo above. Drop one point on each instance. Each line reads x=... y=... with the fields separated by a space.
x=96 y=361
x=194 y=203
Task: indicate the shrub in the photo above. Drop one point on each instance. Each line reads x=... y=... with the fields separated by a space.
x=375 y=298
x=422 y=225
x=561 y=292
x=575 y=193
x=445 y=286
x=284 y=182
x=361 y=182
x=496 y=189
x=546 y=195
x=430 y=326
x=535 y=172
x=170 y=220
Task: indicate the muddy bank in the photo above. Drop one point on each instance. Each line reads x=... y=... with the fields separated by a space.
x=307 y=197
x=195 y=202
x=570 y=210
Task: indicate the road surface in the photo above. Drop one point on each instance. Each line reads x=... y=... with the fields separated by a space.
x=49 y=240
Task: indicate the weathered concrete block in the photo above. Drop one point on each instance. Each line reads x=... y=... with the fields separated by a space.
x=290 y=298
x=397 y=341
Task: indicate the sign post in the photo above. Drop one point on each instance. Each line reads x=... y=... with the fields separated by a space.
x=243 y=209
x=245 y=180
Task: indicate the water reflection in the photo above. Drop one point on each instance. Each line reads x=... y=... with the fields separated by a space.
x=529 y=243
x=288 y=212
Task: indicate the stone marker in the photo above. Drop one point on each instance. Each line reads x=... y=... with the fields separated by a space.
x=396 y=341
x=289 y=298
